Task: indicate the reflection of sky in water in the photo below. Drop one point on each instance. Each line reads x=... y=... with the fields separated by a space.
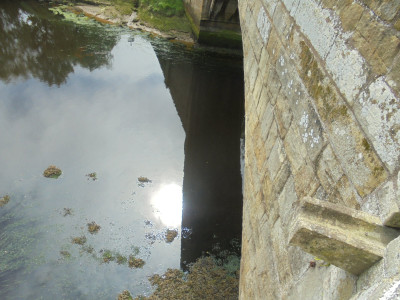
x=120 y=123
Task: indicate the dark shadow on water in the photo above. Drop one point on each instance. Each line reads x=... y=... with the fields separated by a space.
x=208 y=93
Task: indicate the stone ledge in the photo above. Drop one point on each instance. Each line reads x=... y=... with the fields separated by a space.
x=349 y=239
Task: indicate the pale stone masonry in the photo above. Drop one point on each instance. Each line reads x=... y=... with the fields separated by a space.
x=322 y=100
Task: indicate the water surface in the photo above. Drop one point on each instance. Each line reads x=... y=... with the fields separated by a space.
x=94 y=98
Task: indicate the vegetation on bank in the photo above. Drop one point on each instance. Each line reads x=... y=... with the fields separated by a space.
x=164 y=15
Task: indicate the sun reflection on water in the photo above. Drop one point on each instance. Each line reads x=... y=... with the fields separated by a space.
x=167 y=202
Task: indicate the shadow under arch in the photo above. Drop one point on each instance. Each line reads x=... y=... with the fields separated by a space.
x=208 y=92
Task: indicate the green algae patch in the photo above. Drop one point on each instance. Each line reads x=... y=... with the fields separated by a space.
x=4 y=200
x=65 y=254
x=52 y=172
x=121 y=260
x=167 y=8
x=108 y=256
x=221 y=38
x=125 y=295
x=164 y=23
x=80 y=240
x=92 y=176
x=205 y=280
x=93 y=228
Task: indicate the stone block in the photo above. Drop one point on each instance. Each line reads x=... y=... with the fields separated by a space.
x=270 y=141
x=291 y=5
x=362 y=166
x=349 y=239
x=283 y=115
x=310 y=130
x=282 y=22
x=386 y=289
x=294 y=148
x=275 y=158
x=266 y=121
x=306 y=182
x=334 y=181
x=286 y=200
x=382 y=203
x=350 y=15
x=281 y=255
x=378 y=111
x=393 y=77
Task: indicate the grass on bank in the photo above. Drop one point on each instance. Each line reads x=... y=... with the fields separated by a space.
x=164 y=15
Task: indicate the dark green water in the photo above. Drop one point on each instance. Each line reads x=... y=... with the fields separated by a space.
x=93 y=98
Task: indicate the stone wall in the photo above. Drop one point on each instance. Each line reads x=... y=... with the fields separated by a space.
x=322 y=86
x=215 y=22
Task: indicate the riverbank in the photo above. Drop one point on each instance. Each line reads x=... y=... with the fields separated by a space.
x=134 y=16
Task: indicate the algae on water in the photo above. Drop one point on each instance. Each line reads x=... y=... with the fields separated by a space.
x=93 y=227
x=205 y=280
x=4 y=200
x=52 y=172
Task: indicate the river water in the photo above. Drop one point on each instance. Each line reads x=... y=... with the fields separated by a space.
x=92 y=98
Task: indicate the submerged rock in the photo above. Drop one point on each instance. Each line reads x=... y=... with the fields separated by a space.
x=4 y=200
x=52 y=172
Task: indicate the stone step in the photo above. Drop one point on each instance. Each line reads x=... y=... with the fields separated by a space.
x=349 y=239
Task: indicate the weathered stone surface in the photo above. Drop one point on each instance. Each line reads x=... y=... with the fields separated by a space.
x=383 y=204
x=338 y=189
x=347 y=238
x=359 y=161
x=322 y=91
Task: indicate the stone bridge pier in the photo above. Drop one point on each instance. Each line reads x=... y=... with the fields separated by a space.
x=321 y=212
x=215 y=22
